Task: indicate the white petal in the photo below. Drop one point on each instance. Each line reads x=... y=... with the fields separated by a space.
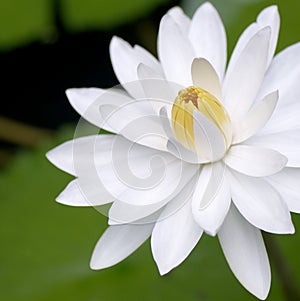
x=86 y=101
x=287 y=143
x=139 y=175
x=125 y=60
x=246 y=254
x=76 y=157
x=268 y=17
x=242 y=84
x=132 y=122
x=211 y=199
x=283 y=75
x=84 y=192
x=260 y=204
x=178 y=150
x=175 y=52
x=205 y=77
x=175 y=236
x=158 y=91
x=182 y=20
x=117 y=243
x=124 y=213
x=208 y=138
x=255 y=161
x=287 y=183
x=208 y=37
x=256 y=118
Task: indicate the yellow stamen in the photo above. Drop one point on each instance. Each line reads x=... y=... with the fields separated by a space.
x=195 y=98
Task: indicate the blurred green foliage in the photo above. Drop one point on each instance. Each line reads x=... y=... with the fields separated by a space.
x=24 y=21
x=79 y=15
x=46 y=247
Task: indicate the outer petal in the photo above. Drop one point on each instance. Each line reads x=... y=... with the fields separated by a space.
x=175 y=236
x=256 y=118
x=283 y=75
x=268 y=17
x=246 y=255
x=205 y=77
x=76 y=157
x=124 y=213
x=86 y=101
x=125 y=60
x=133 y=123
x=158 y=91
x=287 y=143
x=117 y=243
x=140 y=176
x=211 y=199
x=242 y=84
x=255 y=161
x=84 y=192
x=182 y=20
x=175 y=52
x=208 y=37
x=287 y=183
x=260 y=204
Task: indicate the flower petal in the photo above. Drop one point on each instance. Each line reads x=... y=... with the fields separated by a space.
x=117 y=243
x=260 y=204
x=256 y=118
x=158 y=91
x=205 y=77
x=175 y=52
x=246 y=254
x=76 y=157
x=208 y=37
x=287 y=183
x=130 y=122
x=139 y=175
x=125 y=60
x=287 y=143
x=176 y=235
x=211 y=199
x=181 y=19
x=255 y=161
x=124 y=213
x=208 y=138
x=268 y=17
x=242 y=84
x=283 y=75
x=86 y=101
x=84 y=192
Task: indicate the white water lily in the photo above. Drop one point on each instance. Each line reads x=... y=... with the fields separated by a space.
x=197 y=148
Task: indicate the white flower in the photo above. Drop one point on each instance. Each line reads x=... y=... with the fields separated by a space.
x=197 y=148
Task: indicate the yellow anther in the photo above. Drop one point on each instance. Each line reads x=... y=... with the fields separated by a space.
x=195 y=98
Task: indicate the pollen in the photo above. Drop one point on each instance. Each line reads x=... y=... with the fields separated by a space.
x=194 y=98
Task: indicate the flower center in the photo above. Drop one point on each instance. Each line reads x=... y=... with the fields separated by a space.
x=194 y=98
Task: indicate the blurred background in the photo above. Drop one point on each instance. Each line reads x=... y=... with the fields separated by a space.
x=47 y=46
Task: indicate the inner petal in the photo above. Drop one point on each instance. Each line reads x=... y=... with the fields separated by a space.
x=191 y=99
